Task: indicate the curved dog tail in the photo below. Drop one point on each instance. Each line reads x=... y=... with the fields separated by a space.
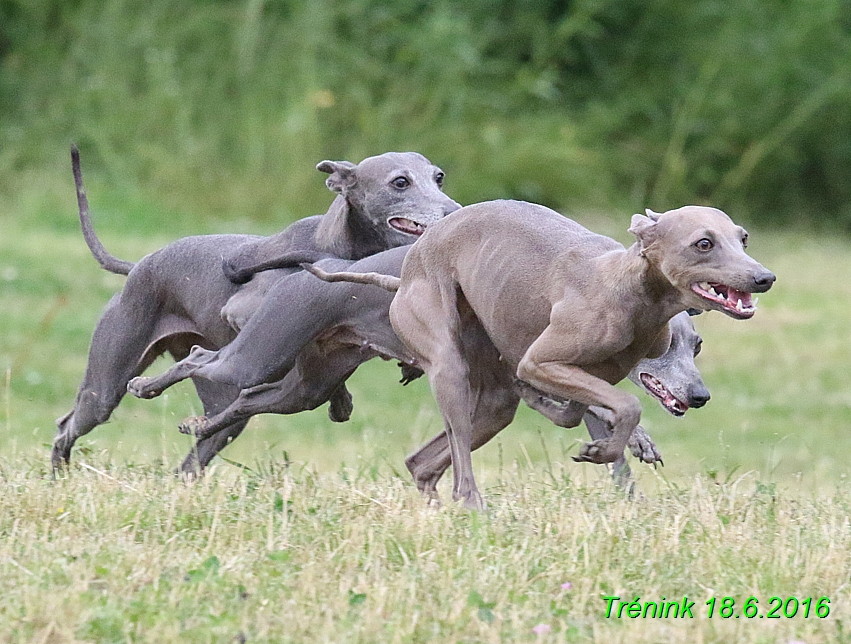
x=293 y=259
x=105 y=259
x=387 y=282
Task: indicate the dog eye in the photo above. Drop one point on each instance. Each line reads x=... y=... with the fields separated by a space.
x=697 y=348
x=705 y=245
x=438 y=179
x=401 y=183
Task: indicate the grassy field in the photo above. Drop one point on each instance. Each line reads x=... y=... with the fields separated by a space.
x=320 y=537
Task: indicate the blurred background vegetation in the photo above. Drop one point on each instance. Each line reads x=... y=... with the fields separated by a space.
x=215 y=111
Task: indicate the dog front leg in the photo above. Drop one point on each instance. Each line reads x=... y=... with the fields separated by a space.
x=574 y=383
x=599 y=427
x=565 y=414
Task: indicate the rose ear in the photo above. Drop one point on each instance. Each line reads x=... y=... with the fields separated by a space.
x=342 y=174
x=652 y=215
x=644 y=229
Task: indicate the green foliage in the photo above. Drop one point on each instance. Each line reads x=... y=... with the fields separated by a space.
x=223 y=108
x=107 y=628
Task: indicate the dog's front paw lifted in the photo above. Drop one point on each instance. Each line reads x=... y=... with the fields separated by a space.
x=140 y=386
x=643 y=448
x=194 y=426
x=599 y=451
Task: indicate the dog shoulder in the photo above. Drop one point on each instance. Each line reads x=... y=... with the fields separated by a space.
x=593 y=332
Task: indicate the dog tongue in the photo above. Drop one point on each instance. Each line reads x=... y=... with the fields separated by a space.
x=735 y=296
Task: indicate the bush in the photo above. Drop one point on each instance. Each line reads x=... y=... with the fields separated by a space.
x=223 y=109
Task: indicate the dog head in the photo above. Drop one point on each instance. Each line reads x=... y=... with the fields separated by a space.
x=701 y=252
x=673 y=379
x=392 y=196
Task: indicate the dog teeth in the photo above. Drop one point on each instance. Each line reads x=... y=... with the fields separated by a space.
x=739 y=307
x=712 y=291
x=704 y=285
x=753 y=304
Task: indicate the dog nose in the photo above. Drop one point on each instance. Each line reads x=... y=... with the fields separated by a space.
x=698 y=397
x=763 y=281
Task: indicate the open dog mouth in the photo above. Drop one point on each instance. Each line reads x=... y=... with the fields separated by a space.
x=735 y=303
x=660 y=392
x=407 y=226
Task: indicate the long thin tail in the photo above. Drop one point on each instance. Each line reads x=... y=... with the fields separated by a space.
x=387 y=282
x=293 y=259
x=105 y=259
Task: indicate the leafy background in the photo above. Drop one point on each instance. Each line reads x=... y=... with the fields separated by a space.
x=221 y=109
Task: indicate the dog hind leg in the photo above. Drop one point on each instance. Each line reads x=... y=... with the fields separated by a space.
x=494 y=403
x=153 y=386
x=117 y=353
x=215 y=397
x=428 y=321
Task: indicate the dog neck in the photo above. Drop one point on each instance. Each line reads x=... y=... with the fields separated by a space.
x=639 y=278
x=345 y=232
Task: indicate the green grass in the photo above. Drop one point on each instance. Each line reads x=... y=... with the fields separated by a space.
x=119 y=553
x=752 y=499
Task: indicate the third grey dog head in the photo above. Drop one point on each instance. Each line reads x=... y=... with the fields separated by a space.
x=673 y=379
x=391 y=197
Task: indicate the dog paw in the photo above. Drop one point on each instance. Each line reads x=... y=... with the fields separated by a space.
x=340 y=409
x=425 y=480
x=429 y=493
x=643 y=448
x=409 y=373
x=472 y=501
x=194 y=425
x=60 y=461
x=140 y=387
x=599 y=451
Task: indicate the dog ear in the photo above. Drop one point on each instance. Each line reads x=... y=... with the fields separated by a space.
x=342 y=173
x=644 y=229
x=653 y=215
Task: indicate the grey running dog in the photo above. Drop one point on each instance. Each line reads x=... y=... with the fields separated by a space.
x=337 y=327
x=173 y=297
x=508 y=290
x=672 y=379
